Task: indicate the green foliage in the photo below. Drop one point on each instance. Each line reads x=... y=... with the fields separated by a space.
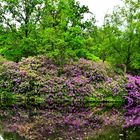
x=58 y=29
x=2 y=60
x=62 y=36
x=54 y=28
x=18 y=38
x=118 y=39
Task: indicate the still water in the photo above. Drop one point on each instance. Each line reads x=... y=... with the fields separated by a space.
x=105 y=132
x=109 y=134
x=10 y=136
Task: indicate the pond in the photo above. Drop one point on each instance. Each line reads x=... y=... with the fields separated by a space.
x=109 y=133
x=10 y=136
x=97 y=122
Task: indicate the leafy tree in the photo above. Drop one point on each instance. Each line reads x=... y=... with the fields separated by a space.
x=53 y=27
x=119 y=37
x=20 y=18
x=62 y=30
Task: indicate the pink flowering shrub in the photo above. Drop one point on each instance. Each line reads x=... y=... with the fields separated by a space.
x=39 y=76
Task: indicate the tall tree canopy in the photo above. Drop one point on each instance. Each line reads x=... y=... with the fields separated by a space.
x=52 y=27
x=119 y=37
x=20 y=18
x=58 y=29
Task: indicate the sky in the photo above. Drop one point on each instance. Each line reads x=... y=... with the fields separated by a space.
x=100 y=7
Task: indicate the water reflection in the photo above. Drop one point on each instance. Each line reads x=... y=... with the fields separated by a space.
x=94 y=122
x=107 y=133
x=11 y=136
x=1 y=138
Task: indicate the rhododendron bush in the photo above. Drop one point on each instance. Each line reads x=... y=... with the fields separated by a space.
x=40 y=77
x=132 y=107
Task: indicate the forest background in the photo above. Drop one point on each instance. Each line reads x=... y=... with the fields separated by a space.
x=59 y=30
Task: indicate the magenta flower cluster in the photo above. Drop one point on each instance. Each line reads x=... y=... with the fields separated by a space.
x=132 y=115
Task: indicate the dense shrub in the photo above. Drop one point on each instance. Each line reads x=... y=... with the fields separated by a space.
x=41 y=77
x=132 y=114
